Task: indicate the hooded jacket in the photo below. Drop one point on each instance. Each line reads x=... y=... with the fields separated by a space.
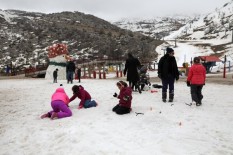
x=197 y=74
x=82 y=94
x=60 y=94
x=125 y=97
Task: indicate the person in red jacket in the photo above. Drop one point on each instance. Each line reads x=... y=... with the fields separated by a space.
x=196 y=80
x=84 y=96
x=125 y=97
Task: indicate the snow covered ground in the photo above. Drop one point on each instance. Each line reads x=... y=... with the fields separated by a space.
x=162 y=129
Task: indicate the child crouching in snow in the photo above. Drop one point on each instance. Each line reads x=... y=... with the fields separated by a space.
x=59 y=104
x=125 y=97
x=84 y=96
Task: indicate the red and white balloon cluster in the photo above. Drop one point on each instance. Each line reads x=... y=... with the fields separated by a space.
x=57 y=49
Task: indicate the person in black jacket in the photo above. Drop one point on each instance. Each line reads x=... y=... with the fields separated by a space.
x=168 y=73
x=131 y=67
x=55 y=76
x=70 y=70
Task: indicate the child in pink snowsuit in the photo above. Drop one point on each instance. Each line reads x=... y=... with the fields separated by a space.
x=59 y=103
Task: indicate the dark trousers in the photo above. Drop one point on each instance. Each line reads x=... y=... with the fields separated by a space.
x=70 y=75
x=79 y=78
x=131 y=84
x=120 y=110
x=168 y=82
x=54 y=79
x=89 y=104
x=134 y=85
x=196 y=93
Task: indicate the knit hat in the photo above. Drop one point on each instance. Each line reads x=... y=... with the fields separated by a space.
x=169 y=50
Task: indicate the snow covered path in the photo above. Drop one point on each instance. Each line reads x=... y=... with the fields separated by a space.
x=185 y=51
x=163 y=128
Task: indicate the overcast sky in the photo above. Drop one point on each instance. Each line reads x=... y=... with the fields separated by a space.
x=113 y=10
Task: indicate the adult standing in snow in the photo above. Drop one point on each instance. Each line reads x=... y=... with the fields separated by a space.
x=70 y=70
x=131 y=68
x=84 y=96
x=168 y=73
x=125 y=97
x=59 y=104
x=55 y=75
x=196 y=80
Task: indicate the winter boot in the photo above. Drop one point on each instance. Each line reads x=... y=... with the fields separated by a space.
x=164 y=96
x=45 y=115
x=139 y=90
x=54 y=115
x=200 y=99
x=171 y=96
x=137 y=87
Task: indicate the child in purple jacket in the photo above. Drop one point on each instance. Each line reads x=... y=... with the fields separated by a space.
x=59 y=103
x=84 y=96
x=125 y=97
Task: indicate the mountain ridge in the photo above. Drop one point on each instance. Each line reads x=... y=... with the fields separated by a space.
x=26 y=35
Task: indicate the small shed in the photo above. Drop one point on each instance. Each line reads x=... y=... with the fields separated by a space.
x=209 y=62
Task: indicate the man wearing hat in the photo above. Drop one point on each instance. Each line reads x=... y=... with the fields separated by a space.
x=70 y=70
x=168 y=73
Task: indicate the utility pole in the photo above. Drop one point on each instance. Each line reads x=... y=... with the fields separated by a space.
x=224 y=69
x=229 y=66
x=232 y=36
x=191 y=62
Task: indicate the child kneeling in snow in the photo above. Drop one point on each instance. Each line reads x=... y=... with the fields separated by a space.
x=84 y=96
x=59 y=104
x=125 y=97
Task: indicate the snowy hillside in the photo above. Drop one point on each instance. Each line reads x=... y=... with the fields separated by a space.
x=26 y=35
x=205 y=35
x=215 y=25
x=25 y=42
x=157 y=27
x=210 y=35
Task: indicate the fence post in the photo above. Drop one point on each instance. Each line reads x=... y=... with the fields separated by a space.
x=224 y=69
x=117 y=73
x=100 y=75
x=94 y=74
x=120 y=73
